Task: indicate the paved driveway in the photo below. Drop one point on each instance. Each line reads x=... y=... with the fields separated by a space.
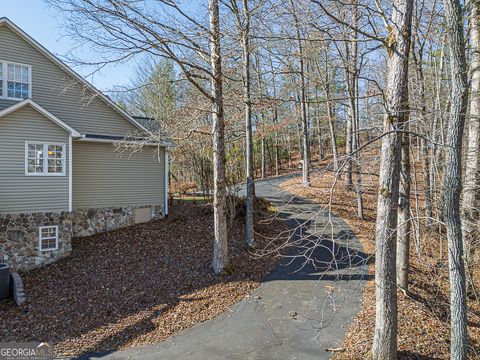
x=301 y=309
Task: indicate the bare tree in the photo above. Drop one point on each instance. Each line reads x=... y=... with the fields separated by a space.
x=325 y=80
x=452 y=178
x=243 y=19
x=220 y=251
x=399 y=32
x=303 y=105
x=124 y=29
x=471 y=191
x=351 y=54
x=404 y=224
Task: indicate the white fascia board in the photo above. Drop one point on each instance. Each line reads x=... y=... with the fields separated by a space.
x=44 y=112
x=48 y=54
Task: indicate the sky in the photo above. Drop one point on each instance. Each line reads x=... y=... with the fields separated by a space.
x=43 y=24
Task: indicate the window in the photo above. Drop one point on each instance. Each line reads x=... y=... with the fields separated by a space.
x=43 y=159
x=15 y=81
x=48 y=237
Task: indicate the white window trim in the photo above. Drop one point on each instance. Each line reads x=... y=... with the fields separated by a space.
x=45 y=159
x=40 y=238
x=4 y=93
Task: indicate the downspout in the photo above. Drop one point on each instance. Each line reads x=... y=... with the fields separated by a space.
x=70 y=151
x=166 y=182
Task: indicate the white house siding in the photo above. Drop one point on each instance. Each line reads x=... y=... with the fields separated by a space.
x=55 y=90
x=105 y=178
x=29 y=194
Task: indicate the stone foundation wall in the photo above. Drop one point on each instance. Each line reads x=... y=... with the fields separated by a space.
x=88 y=222
x=19 y=239
x=19 y=233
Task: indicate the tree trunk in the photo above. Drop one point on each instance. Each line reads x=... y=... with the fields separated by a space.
x=303 y=105
x=321 y=154
x=385 y=339
x=353 y=96
x=348 y=150
x=424 y=145
x=319 y=127
x=427 y=187
x=262 y=149
x=270 y=155
x=220 y=249
x=471 y=191
x=250 y=190
x=358 y=170
x=404 y=224
x=330 y=113
x=452 y=178
x=436 y=135
x=333 y=138
x=350 y=70
x=277 y=155
x=275 y=121
x=289 y=150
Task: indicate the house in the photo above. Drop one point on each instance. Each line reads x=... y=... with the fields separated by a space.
x=61 y=174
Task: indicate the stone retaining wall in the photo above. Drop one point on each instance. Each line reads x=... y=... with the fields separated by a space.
x=19 y=238
x=88 y=222
x=19 y=233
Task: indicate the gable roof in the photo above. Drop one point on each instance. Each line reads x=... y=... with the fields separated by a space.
x=41 y=110
x=153 y=126
x=7 y=22
x=150 y=123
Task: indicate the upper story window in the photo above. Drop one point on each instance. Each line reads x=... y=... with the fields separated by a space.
x=44 y=159
x=15 y=81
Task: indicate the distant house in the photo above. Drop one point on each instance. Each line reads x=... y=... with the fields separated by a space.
x=60 y=173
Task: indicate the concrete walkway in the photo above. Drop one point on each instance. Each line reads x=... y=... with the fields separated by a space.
x=297 y=313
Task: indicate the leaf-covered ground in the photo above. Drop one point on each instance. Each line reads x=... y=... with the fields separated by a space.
x=137 y=285
x=424 y=329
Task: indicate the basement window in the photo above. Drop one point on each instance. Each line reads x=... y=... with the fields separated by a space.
x=44 y=159
x=48 y=238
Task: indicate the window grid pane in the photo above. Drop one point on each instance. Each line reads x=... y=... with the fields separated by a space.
x=18 y=81
x=55 y=159
x=39 y=155
x=35 y=158
x=48 y=238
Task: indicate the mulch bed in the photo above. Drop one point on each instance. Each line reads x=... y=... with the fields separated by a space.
x=423 y=315
x=137 y=285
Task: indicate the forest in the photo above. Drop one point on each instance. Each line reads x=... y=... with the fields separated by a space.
x=377 y=100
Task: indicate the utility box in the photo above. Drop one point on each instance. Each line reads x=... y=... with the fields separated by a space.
x=4 y=281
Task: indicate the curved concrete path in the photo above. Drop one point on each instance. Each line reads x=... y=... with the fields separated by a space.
x=297 y=313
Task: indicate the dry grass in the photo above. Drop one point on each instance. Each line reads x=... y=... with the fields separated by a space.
x=423 y=315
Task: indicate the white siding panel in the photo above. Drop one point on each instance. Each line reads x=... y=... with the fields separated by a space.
x=103 y=177
x=29 y=194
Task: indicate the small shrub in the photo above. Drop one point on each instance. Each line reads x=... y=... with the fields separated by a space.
x=185 y=187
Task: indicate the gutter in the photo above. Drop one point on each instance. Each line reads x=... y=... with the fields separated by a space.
x=125 y=140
